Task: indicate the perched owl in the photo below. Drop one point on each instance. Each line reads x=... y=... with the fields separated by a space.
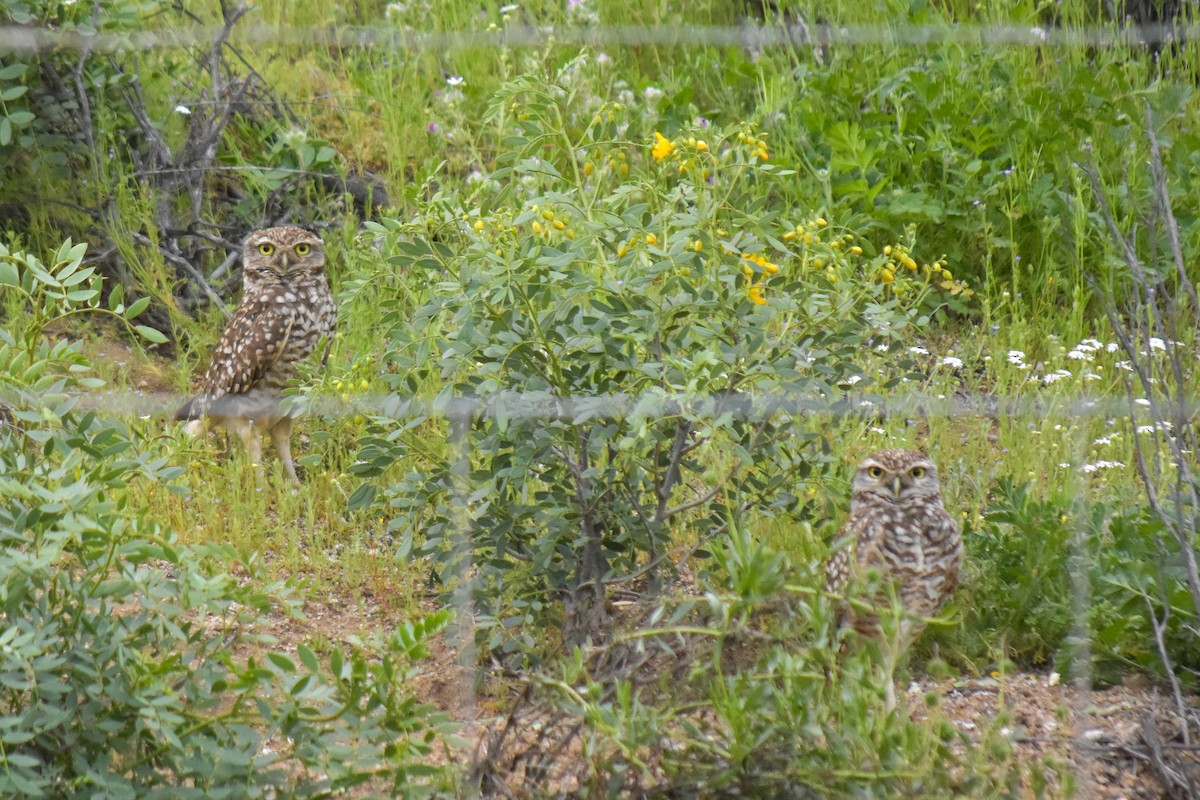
x=899 y=527
x=286 y=310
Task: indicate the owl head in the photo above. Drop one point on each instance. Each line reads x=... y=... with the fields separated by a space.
x=896 y=476
x=281 y=255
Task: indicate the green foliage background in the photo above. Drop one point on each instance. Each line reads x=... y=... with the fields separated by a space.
x=673 y=231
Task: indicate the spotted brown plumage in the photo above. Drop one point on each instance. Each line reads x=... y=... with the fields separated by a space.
x=286 y=310
x=899 y=527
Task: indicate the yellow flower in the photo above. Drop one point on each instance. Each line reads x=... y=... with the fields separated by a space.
x=754 y=292
x=651 y=238
x=663 y=147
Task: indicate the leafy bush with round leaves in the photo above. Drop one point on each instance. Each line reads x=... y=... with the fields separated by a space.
x=632 y=345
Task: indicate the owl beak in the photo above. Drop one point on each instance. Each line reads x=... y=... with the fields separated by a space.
x=897 y=486
x=286 y=261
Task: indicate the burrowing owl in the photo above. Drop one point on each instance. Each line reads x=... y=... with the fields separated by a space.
x=286 y=309
x=901 y=529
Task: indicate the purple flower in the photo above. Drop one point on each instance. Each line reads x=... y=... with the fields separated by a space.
x=433 y=127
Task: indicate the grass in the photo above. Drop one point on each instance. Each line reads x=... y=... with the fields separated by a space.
x=376 y=107
x=962 y=151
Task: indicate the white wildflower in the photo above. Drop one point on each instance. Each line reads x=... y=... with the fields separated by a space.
x=1157 y=344
x=508 y=9
x=1142 y=401
x=921 y=351
x=952 y=362
x=1080 y=354
x=1056 y=376
x=182 y=109
x=880 y=431
x=1099 y=465
x=1105 y=439
x=455 y=80
x=1125 y=365
x=1111 y=347
x=1091 y=376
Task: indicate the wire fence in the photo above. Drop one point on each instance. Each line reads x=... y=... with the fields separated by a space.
x=33 y=40
x=1149 y=414
x=752 y=406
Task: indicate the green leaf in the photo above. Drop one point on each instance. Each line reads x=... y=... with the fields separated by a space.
x=150 y=334
x=361 y=497
x=6 y=131
x=8 y=274
x=13 y=92
x=308 y=658
x=116 y=297
x=13 y=71
x=282 y=662
x=137 y=307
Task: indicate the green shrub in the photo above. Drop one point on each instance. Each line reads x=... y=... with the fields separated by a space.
x=603 y=322
x=130 y=666
x=1045 y=572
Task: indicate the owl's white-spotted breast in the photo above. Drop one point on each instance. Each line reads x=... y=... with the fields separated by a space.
x=899 y=526
x=286 y=309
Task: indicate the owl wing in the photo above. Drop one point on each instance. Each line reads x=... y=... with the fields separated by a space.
x=253 y=340
x=850 y=559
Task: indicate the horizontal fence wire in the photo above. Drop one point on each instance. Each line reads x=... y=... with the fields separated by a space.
x=512 y=405
x=31 y=40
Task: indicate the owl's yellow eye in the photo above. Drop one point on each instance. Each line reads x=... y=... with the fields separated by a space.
x=266 y=248
x=303 y=249
x=875 y=472
x=917 y=472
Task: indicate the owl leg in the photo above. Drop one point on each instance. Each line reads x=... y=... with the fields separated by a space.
x=895 y=648
x=248 y=433
x=281 y=437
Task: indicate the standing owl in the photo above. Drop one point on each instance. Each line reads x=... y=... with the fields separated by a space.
x=900 y=528
x=286 y=310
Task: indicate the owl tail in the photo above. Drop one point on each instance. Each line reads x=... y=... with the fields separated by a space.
x=189 y=410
